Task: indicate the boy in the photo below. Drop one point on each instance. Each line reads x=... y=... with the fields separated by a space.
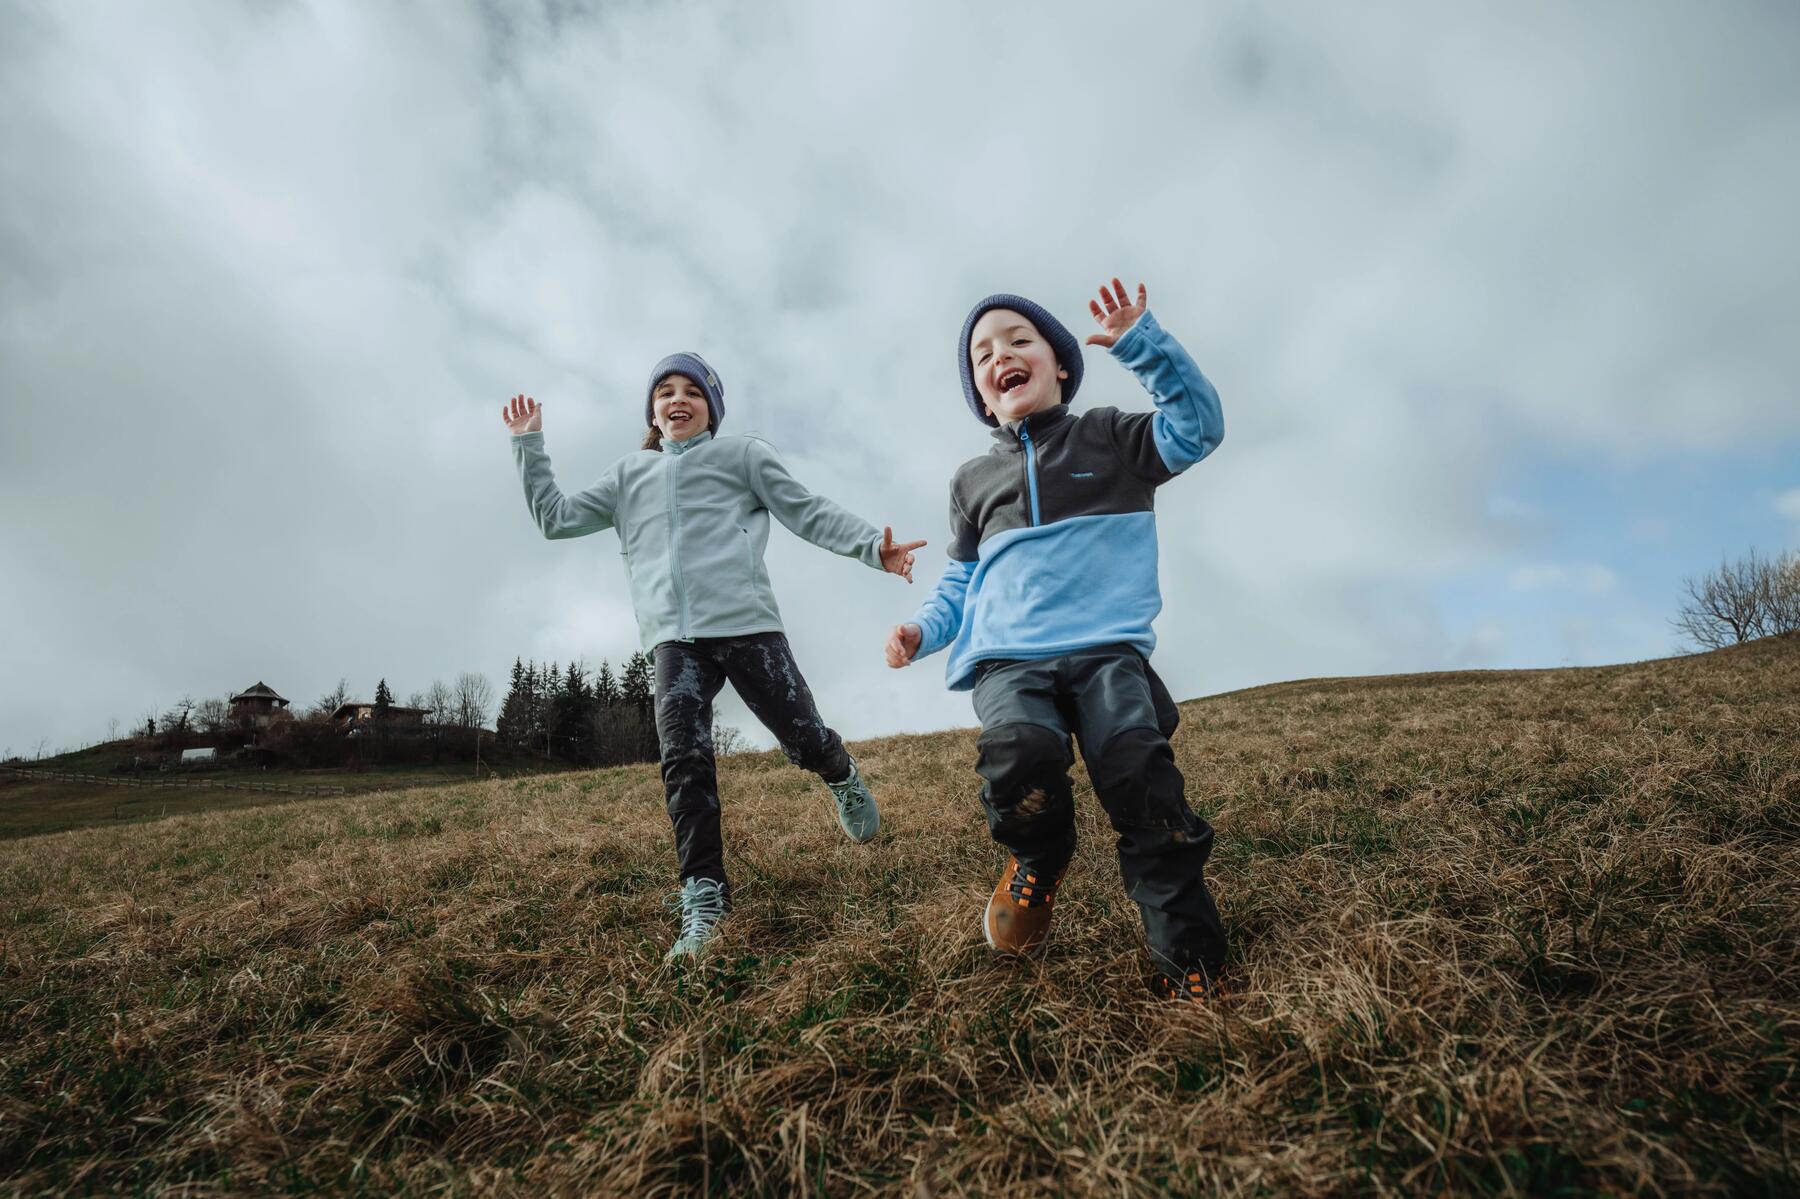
x=1046 y=607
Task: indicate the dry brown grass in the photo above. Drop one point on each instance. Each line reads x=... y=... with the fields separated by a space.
x=1494 y=933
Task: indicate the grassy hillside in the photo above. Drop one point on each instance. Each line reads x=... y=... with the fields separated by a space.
x=1494 y=933
x=32 y=806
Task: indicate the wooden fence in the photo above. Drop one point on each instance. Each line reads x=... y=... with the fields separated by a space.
x=180 y=784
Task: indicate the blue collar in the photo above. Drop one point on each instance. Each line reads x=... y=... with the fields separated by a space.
x=682 y=447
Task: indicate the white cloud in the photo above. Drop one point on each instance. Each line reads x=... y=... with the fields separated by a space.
x=1788 y=504
x=1586 y=578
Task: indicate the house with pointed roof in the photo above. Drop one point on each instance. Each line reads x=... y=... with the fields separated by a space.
x=257 y=707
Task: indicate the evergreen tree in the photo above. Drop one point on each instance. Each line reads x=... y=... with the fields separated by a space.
x=637 y=692
x=384 y=699
x=637 y=684
x=606 y=688
x=513 y=726
x=571 y=719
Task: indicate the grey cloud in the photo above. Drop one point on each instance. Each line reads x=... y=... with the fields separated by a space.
x=269 y=271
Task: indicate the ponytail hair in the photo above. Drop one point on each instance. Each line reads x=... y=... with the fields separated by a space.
x=652 y=439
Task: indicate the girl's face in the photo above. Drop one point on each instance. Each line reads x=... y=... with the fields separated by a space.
x=1015 y=370
x=679 y=406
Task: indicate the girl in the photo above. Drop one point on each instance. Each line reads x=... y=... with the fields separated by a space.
x=692 y=511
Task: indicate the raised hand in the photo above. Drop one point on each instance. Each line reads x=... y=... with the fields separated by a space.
x=902 y=644
x=522 y=415
x=1117 y=316
x=897 y=559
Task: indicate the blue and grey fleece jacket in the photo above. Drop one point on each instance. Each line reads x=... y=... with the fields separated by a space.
x=1053 y=530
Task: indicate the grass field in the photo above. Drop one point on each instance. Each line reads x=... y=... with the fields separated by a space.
x=29 y=806
x=1495 y=933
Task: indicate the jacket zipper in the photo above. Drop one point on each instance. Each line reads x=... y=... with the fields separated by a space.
x=681 y=604
x=1030 y=472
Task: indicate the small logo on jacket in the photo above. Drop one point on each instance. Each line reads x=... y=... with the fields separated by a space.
x=1082 y=474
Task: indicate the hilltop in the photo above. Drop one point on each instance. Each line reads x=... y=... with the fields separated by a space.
x=1494 y=932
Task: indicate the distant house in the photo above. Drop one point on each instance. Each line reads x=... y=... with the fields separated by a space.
x=360 y=714
x=258 y=706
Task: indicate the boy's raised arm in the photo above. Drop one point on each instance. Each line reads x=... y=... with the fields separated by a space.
x=557 y=515
x=1188 y=423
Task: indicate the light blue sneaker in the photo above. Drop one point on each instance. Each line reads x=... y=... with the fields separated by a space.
x=856 y=811
x=702 y=904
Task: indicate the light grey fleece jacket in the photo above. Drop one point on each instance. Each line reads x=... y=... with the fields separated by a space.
x=693 y=523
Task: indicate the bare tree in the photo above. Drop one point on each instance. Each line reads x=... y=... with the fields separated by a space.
x=213 y=715
x=474 y=696
x=1784 y=593
x=728 y=739
x=1741 y=601
x=179 y=718
x=332 y=700
x=112 y=729
x=437 y=702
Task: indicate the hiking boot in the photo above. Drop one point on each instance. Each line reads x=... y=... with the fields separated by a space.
x=1018 y=913
x=1193 y=987
x=702 y=902
x=856 y=811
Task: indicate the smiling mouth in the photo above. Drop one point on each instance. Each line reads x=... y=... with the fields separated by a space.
x=679 y=414
x=1013 y=379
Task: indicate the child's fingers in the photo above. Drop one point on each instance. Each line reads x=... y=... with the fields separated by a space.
x=1107 y=300
x=1119 y=290
x=1143 y=297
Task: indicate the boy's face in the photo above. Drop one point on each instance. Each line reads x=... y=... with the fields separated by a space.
x=1016 y=373
x=679 y=406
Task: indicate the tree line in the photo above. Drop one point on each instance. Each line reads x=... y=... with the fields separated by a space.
x=563 y=714
x=568 y=714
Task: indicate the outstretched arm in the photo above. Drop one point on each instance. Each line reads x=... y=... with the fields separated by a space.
x=940 y=618
x=817 y=519
x=937 y=621
x=557 y=515
x=1188 y=423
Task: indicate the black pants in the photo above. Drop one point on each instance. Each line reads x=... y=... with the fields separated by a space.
x=761 y=669
x=1122 y=716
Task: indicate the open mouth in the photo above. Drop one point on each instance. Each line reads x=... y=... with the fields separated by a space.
x=1014 y=378
x=676 y=414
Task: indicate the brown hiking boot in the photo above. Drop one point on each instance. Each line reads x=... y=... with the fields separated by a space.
x=1018 y=914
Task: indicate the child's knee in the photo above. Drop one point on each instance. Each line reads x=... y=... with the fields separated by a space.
x=1026 y=767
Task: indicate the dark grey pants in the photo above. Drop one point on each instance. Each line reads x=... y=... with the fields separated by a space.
x=760 y=668
x=1122 y=717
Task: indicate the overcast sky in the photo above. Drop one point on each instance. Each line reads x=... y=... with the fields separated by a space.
x=1501 y=303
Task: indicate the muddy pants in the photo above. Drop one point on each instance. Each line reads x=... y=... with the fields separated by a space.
x=761 y=669
x=1122 y=716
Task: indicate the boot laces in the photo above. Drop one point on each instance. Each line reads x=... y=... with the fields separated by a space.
x=1029 y=889
x=851 y=794
x=1193 y=985
x=702 y=904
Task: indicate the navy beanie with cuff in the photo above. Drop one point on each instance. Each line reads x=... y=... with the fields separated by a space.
x=1062 y=343
x=695 y=368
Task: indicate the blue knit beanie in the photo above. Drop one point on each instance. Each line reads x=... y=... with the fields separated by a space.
x=1062 y=343
x=695 y=368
